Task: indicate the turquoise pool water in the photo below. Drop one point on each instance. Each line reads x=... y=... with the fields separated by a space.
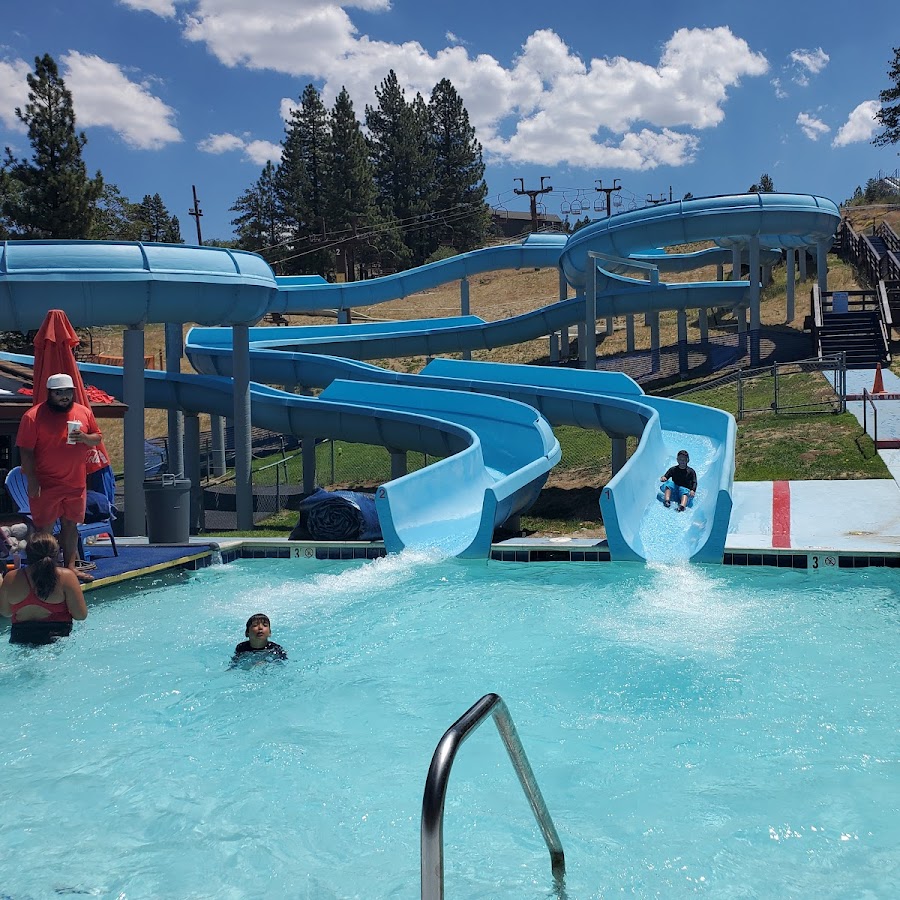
x=696 y=732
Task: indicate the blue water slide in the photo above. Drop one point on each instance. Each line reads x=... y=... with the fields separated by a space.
x=494 y=455
x=777 y=220
x=606 y=401
x=298 y=295
x=131 y=283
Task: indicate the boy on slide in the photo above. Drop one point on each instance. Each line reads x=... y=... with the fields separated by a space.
x=680 y=480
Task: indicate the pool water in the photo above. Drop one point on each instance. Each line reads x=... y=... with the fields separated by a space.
x=696 y=731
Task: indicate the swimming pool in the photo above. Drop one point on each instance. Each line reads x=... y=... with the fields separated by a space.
x=702 y=731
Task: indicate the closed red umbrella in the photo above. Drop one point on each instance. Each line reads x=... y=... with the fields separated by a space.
x=54 y=346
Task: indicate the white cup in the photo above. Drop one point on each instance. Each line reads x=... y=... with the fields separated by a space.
x=71 y=426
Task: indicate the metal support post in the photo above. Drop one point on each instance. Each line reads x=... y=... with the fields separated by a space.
x=790 y=263
x=192 y=469
x=243 y=450
x=174 y=352
x=133 y=397
x=464 y=307
x=754 y=301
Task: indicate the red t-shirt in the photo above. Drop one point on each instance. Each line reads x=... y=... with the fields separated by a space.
x=56 y=463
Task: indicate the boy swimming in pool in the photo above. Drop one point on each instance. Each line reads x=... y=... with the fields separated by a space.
x=257 y=632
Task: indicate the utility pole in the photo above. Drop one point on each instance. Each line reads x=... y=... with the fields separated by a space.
x=609 y=192
x=533 y=195
x=196 y=212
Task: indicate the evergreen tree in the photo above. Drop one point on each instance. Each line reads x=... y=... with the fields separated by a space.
x=350 y=208
x=258 y=224
x=396 y=142
x=889 y=114
x=155 y=225
x=114 y=217
x=54 y=196
x=765 y=186
x=302 y=185
x=460 y=188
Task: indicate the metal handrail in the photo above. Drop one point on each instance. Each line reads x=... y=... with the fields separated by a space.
x=868 y=398
x=432 y=832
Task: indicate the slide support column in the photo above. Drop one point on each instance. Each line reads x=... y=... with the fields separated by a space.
x=133 y=397
x=192 y=469
x=308 y=451
x=654 y=342
x=790 y=263
x=217 y=426
x=802 y=261
x=174 y=352
x=703 y=322
x=822 y=264
x=629 y=332
x=754 y=300
x=243 y=483
x=464 y=307
x=682 y=341
x=590 y=322
x=398 y=464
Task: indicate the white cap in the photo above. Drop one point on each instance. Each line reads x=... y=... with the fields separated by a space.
x=60 y=382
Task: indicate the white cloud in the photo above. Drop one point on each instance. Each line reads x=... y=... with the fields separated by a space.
x=548 y=102
x=861 y=125
x=164 y=8
x=221 y=143
x=780 y=92
x=452 y=38
x=262 y=152
x=813 y=61
x=259 y=152
x=104 y=96
x=812 y=127
x=13 y=91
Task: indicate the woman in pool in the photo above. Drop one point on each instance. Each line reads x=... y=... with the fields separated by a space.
x=42 y=598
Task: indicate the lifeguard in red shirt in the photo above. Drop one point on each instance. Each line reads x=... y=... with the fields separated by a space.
x=54 y=440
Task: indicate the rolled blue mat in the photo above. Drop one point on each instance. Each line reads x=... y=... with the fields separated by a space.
x=337 y=516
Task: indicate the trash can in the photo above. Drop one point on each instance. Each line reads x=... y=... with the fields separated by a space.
x=167 y=500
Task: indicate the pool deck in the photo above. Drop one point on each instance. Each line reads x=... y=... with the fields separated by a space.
x=797 y=524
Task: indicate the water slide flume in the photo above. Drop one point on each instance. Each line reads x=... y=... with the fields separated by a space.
x=495 y=455
x=131 y=284
x=605 y=401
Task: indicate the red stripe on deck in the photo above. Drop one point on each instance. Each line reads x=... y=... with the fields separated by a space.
x=781 y=514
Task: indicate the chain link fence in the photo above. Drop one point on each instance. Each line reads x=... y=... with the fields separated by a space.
x=810 y=386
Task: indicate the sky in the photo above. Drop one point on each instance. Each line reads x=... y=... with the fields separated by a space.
x=659 y=98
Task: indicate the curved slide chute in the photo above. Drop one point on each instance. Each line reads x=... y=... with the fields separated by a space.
x=496 y=454
x=101 y=283
x=605 y=401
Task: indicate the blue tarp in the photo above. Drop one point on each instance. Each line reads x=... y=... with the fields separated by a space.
x=337 y=516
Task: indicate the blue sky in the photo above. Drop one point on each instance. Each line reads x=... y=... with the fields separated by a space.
x=700 y=97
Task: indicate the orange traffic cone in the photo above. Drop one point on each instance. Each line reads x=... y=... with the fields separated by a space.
x=878 y=387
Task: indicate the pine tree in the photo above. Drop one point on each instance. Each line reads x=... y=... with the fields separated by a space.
x=302 y=185
x=258 y=224
x=155 y=225
x=889 y=114
x=115 y=217
x=53 y=196
x=765 y=186
x=350 y=208
x=460 y=188
x=395 y=148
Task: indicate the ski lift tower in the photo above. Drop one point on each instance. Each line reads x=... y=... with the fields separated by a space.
x=609 y=192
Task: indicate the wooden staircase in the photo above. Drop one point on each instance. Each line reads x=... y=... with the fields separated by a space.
x=855 y=323
x=857 y=335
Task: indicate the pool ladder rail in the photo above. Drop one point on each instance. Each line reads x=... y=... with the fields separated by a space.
x=432 y=833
